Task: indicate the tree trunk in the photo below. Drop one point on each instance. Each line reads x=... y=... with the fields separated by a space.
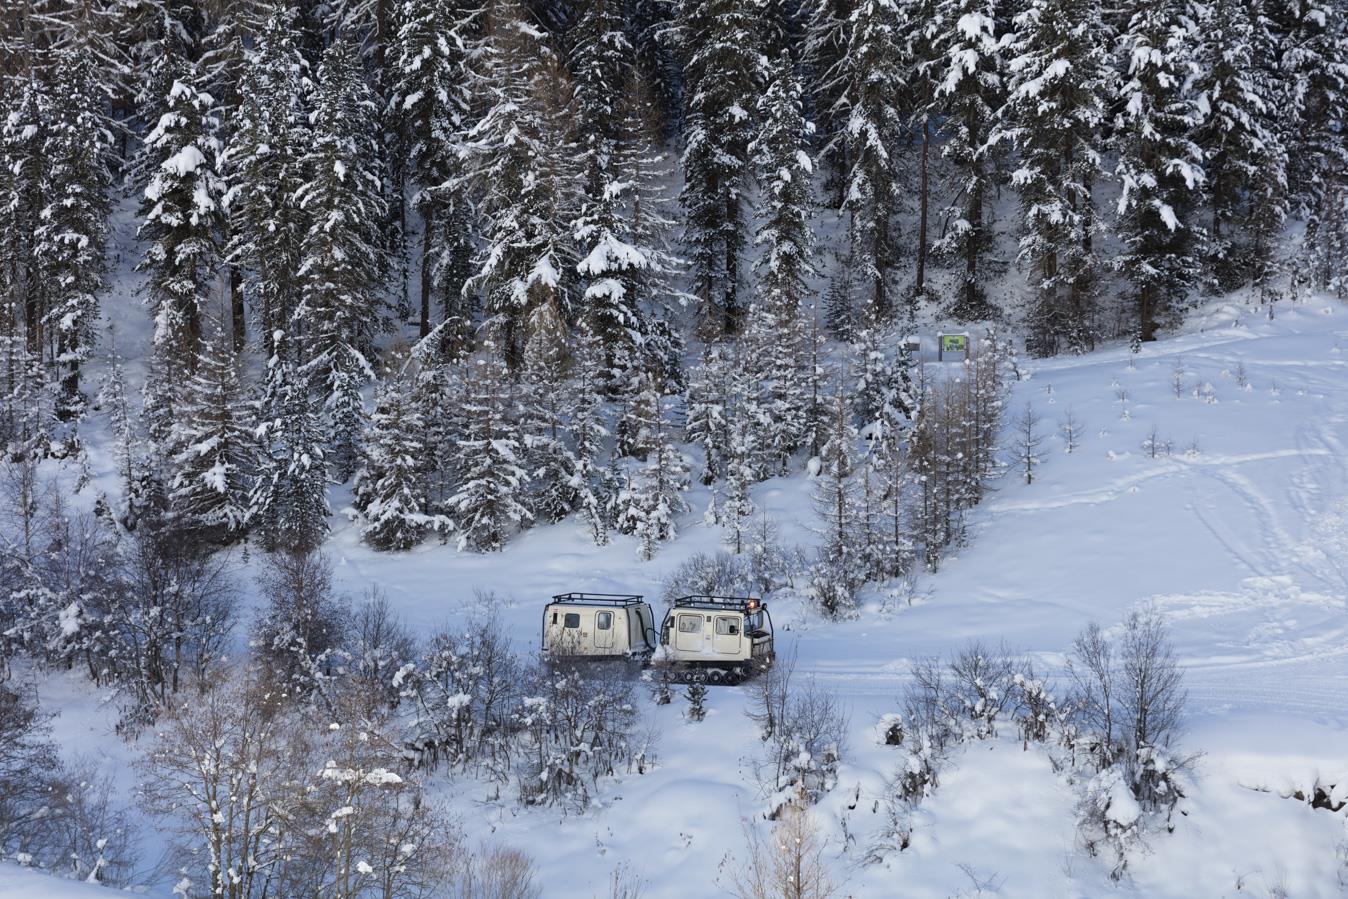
x=236 y=310
x=923 y=194
x=424 y=324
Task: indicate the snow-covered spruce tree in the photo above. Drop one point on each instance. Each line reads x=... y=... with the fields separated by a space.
x=742 y=470
x=783 y=170
x=1159 y=165
x=835 y=574
x=264 y=168
x=1060 y=82
x=708 y=403
x=391 y=493
x=343 y=259
x=825 y=50
x=212 y=449
x=919 y=25
x=551 y=463
x=723 y=78
x=289 y=506
x=27 y=416
x=489 y=505
x=1244 y=161
x=872 y=86
x=430 y=106
x=73 y=224
x=518 y=161
x=182 y=219
x=622 y=235
x=586 y=429
x=1313 y=63
x=654 y=495
x=22 y=138
x=601 y=64
x=969 y=91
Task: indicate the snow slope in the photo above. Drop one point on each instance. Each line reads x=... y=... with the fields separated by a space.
x=1242 y=543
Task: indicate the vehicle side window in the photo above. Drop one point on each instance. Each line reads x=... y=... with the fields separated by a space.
x=690 y=624
x=554 y=617
x=727 y=627
x=603 y=620
x=572 y=619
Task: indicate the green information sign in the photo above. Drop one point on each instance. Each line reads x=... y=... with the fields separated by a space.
x=954 y=343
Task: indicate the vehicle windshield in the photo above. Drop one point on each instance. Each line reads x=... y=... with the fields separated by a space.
x=753 y=621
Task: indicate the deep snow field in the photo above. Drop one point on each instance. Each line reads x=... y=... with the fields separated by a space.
x=1239 y=537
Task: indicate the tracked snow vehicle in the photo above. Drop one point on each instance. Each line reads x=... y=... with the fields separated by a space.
x=598 y=626
x=728 y=638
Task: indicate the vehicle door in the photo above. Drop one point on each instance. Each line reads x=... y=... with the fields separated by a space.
x=688 y=631
x=603 y=630
x=728 y=630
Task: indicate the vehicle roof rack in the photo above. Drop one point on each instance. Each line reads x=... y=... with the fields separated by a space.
x=597 y=599
x=706 y=601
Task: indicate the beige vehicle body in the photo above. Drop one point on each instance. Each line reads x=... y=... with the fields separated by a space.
x=597 y=626
x=733 y=633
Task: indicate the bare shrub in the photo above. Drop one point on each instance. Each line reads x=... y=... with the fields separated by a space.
x=981 y=682
x=1036 y=708
x=806 y=746
x=380 y=647
x=575 y=730
x=496 y=872
x=466 y=689
x=1152 y=708
x=225 y=774
x=787 y=865
x=85 y=832
x=717 y=574
x=1091 y=669
x=302 y=632
x=768 y=693
x=625 y=883
x=1072 y=429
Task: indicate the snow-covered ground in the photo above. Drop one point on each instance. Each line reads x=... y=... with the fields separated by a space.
x=1239 y=536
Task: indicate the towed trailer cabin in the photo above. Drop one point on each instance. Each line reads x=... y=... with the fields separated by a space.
x=598 y=626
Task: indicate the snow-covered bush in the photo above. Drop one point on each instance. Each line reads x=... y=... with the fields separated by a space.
x=717 y=574
x=57 y=817
x=465 y=690
x=981 y=687
x=808 y=740
x=301 y=634
x=696 y=693
x=1109 y=820
x=574 y=731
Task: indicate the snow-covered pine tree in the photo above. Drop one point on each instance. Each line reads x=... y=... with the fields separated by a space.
x=601 y=66
x=73 y=226
x=22 y=139
x=26 y=410
x=343 y=259
x=289 y=505
x=114 y=399
x=1159 y=165
x=391 y=493
x=264 y=168
x=969 y=90
x=551 y=463
x=825 y=50
x=1243 y=158
x=622 y=235
x=489 y=505
x=430 y=106
x=585 y=427
x=1060 y=83
x=784 y=171
x=742 y=470
x=212 y=449
x=871 y=75
x=723 y=78
x=708 y=409
x=835 y=575
x=182 y=218
x=1313 y=64
x=518 y=161
x=655 y=494
x=919 y=24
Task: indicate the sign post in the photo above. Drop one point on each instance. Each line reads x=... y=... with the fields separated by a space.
x=951 y=343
